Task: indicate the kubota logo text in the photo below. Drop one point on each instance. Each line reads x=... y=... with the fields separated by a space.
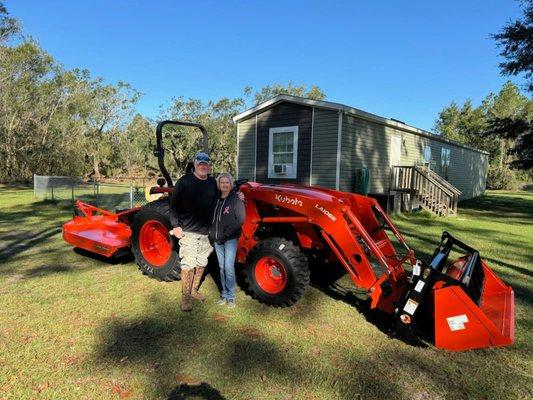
x=289 y=200
x=326 y=212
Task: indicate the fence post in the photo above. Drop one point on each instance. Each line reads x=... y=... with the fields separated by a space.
x=131 y=194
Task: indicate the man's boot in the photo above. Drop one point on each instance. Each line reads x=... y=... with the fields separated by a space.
x=199 y=272
x=186 y=284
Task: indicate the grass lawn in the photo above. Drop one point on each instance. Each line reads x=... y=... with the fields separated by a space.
x=73 y=327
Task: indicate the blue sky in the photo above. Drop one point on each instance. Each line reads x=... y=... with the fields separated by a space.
x=399 y=59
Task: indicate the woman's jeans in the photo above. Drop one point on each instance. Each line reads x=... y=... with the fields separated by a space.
x=226 y=261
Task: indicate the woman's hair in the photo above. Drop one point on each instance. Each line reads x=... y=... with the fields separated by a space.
x=225 y=175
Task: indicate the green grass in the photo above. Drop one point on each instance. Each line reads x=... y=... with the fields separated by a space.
x=73 y=327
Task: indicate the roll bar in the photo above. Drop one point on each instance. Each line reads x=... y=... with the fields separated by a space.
x=159 y=152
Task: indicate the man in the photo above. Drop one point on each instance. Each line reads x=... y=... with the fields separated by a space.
x=191 y=205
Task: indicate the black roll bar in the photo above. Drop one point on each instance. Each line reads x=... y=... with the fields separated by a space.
x=159 y=152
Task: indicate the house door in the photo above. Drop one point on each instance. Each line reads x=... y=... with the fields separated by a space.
x=395 y=150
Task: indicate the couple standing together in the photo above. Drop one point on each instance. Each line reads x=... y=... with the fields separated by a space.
x=202 y=208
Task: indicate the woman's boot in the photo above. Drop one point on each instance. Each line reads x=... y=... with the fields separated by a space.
x=199 y=272
x=186 y=285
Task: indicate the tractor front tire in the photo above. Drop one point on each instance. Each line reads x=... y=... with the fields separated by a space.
x=155 y=251
x=277 y=273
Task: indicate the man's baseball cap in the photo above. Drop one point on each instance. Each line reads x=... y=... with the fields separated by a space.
x=202 y=157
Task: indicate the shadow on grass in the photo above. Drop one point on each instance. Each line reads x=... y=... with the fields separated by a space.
x=47 y=211
x=23 y=241
x=501 y=205
x=326 y=279
x=52 y=211
x=169 y=345
x=123 y=257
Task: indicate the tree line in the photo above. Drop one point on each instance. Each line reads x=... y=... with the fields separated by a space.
x=55 y=121
x=500 y=125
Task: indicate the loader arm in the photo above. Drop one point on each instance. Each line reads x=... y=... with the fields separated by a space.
x=347 y=223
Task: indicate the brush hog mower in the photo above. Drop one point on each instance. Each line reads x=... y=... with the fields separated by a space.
x=457 y=302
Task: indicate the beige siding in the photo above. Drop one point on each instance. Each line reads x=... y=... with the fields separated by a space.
x=364 y=144
x=246 y=149
x=467 y=170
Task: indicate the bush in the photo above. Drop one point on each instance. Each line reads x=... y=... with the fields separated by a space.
x=525 y=176
x=501 y=179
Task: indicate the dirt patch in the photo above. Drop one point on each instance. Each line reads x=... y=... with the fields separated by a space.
x=250 y=332
x=15 y=278
x=220 y=318
x=187 y=379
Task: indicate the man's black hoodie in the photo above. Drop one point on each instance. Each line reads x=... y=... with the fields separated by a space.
x=227 y=219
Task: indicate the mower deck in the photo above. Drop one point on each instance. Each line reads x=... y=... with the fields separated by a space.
x=103 y=234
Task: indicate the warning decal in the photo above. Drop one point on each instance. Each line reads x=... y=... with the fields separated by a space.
x=410 y=306
x=416 y=268
x=457 y=323
x=419 y=286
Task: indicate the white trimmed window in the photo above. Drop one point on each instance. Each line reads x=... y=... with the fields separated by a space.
x=283 y=152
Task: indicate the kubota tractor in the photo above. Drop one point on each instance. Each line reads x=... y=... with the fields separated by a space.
x=460 y=304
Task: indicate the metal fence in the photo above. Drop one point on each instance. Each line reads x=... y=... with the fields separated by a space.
x=118 y=193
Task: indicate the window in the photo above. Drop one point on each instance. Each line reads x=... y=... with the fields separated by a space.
x=427 y=156
x=445 y=161
x=283 y=152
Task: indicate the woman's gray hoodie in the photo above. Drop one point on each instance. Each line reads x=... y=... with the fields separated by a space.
x=228 y=218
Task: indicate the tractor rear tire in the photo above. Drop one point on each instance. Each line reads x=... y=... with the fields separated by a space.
x=155 y=251
x=277 y=273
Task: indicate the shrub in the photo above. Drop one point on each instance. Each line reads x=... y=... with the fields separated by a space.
x=501 y=179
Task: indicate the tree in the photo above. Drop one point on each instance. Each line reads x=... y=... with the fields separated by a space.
x=9 y=27
x=520 y=132
x=448 y=123
x=516 y=41
x=508 y=105
x=135 y=145
x=501 y=125
x=270 y=91
x=462 y=124
x=467 y=124
x=183 y=142
x=107 y=109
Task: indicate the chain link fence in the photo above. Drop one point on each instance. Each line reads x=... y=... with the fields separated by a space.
x=111 y=194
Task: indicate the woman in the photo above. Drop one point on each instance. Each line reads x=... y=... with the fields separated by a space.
x=225 y=231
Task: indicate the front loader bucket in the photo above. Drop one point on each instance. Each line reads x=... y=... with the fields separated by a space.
x=461 y=324
x=471 y=307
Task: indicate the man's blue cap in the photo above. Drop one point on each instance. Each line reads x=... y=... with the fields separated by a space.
x=202 y=157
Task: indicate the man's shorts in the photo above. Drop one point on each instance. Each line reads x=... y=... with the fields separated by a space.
x=194 y=250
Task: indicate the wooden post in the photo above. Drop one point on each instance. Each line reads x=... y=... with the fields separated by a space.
x=411 y=191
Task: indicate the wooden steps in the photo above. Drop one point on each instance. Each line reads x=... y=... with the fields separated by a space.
x=432 y=191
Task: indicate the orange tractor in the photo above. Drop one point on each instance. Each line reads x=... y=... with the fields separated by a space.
x=458 y=304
